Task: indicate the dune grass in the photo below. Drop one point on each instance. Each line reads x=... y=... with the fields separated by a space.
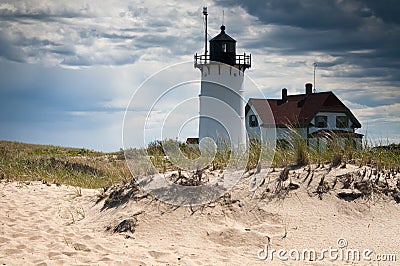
x=59 y=165
x=93 y=169
x=297 y=152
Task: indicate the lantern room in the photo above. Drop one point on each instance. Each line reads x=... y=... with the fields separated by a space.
x=223 y=48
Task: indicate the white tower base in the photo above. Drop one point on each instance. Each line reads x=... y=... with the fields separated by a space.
x=222 y=104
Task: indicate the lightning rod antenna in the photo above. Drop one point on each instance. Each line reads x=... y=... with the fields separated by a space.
x=315 y=86
x=205 y=33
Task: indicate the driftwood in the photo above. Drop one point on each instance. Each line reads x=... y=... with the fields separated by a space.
x=127 y=225
x=349 y=194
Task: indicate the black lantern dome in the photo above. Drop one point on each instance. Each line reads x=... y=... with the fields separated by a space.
x=223 y=48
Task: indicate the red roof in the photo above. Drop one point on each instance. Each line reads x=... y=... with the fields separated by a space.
x=299 y=109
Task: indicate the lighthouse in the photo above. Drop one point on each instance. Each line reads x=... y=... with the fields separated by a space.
x=222 y=113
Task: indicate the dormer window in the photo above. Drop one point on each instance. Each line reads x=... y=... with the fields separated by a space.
x=342 y=122
x=224 y=47
x=321 y=121
x=253 y=121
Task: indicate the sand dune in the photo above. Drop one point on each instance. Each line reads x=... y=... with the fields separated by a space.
x=51 y=225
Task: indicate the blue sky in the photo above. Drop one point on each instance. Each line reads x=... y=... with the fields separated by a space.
x=69 y=68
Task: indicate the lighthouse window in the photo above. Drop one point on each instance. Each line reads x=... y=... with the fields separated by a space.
x=224 y=47
x=253 y=121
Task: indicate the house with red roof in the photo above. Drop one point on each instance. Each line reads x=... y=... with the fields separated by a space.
x=317 y=117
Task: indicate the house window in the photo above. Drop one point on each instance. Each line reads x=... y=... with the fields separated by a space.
x=253 y=121
x=224 y=47
x=321 y=121
x=342 y=122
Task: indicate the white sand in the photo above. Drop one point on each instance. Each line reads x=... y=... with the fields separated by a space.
x=50 y=225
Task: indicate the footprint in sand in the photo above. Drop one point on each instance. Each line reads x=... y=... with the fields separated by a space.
x=4 y=240
x=53 y=254
x=69 y=253
x=37 y=237
x=233 y=237
x=87 y=237
x=41 y=264
x=11 y=251
x=271 y=230
x=10 y=220
x=18 y=235
x=100 y=248
x=20 y=247
x=105 y=259
x=81 y=247
x=157 y=254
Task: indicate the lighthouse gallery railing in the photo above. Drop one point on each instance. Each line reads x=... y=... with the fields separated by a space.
x=241 y=60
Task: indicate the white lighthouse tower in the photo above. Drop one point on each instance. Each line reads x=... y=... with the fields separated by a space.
x=222 y=104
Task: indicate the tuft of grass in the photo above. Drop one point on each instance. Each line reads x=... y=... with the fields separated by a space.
x=60 y=165
x=294 y=151
x=301 y=149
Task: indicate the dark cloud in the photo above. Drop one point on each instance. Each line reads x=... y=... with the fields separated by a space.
x=76 y=35
x=117 y=36
x=43 y=14
x=361 y=33
x=19 y=48
x=310 y=26
x=307 y=14
x=387 y=10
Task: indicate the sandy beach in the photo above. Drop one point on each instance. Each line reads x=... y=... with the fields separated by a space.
x=45 y=224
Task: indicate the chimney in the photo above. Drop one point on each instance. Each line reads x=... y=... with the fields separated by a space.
x=308 y=88
x=284 y=95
